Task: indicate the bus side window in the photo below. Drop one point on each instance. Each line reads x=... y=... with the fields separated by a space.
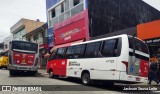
x=90 y=50
x=60 y=53
x=110 y=48
x=97 y=52
x=93 y=50
x=117 y=47
x=78 y=51
x=53 y=55
x=69 y=53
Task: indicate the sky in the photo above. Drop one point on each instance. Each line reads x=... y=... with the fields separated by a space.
x=11 y=11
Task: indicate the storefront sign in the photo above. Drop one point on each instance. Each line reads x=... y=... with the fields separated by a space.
x=73 y=29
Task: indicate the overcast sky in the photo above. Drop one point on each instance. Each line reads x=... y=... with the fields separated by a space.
x=12 y=11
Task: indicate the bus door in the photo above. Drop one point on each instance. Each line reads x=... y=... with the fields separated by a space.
x=138 y=58
x=61 y=62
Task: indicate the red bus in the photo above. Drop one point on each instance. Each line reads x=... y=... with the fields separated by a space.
x=23 y=57
x=115 y=59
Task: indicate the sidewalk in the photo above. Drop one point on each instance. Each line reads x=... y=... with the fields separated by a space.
x=42 y=71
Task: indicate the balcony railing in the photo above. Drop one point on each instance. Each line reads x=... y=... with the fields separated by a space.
x=67 y=14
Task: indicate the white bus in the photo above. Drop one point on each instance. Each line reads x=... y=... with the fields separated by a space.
x=120 y=58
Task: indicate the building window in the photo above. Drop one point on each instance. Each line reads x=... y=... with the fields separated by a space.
x=66 y=5
x=58 y=10
x=6 y=46
x=36 y=37
x=62 y=8
x=65 y=10
x=53 y=14
x=43 y=34
x=29 y=39
x=76 y=2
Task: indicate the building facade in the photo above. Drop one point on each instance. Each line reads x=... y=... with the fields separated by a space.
x=82 y=20
x=24 y=26
x=39 y=36
x=6 y=42
x=68 y=20
x=49 y=5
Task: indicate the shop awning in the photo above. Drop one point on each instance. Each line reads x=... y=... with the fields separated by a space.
x=66 y=44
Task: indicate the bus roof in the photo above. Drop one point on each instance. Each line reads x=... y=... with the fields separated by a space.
x=23 y=41
x=123 y=35
x=101 y=39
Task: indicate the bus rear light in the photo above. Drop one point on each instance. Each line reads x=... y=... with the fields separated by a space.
x=36 y=62
x=126 y=63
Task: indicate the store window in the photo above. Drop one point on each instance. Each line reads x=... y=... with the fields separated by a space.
x=36 y=37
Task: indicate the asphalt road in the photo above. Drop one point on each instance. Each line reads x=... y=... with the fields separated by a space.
x=59 y=86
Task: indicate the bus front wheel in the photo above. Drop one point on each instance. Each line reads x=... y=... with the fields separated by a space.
x=86 y=79
x=51 y=74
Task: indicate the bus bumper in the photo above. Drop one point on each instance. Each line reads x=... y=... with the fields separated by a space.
x=131 y=78
x=22 y=68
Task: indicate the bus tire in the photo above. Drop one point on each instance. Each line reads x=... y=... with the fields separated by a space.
x=86 y=79
x=108 y=83
x=11 y=72
x=51 y=74
x=34 y=73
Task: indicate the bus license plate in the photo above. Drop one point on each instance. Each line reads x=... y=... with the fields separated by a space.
x=23 y=63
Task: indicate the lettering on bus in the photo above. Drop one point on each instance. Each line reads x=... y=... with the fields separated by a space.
x=74 y=63
x=110 y=61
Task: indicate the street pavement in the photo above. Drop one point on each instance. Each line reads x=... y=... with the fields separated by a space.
x=60 y=86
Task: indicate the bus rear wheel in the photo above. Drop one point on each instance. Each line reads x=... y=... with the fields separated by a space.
x=86 y=79
x=11 y=73
x=51 y=74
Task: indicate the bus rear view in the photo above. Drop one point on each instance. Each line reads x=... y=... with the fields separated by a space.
x=137 y=64
x=23 y=57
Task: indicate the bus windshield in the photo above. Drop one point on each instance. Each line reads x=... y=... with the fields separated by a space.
x=24 y=47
